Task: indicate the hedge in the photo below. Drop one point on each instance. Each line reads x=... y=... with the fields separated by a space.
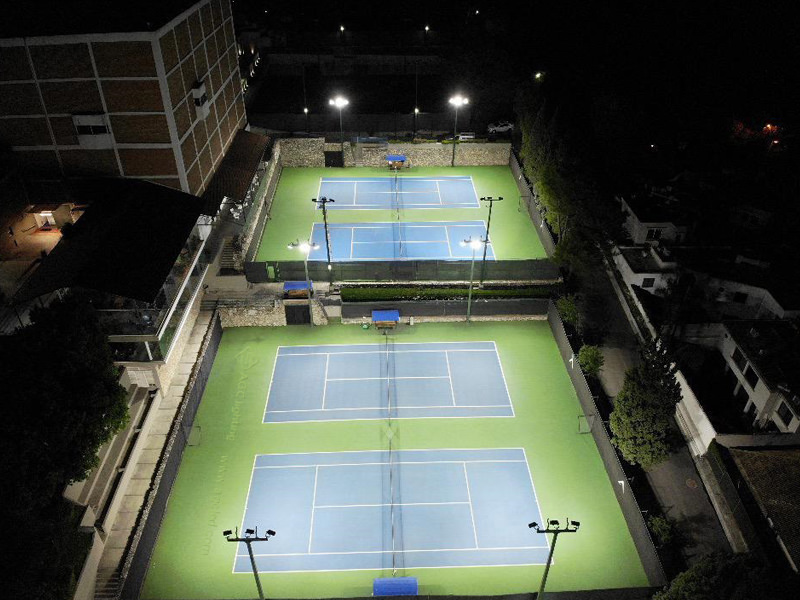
x=379 y=294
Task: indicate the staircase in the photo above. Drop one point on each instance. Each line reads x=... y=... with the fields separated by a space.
x=108 y=584
x=226 y=262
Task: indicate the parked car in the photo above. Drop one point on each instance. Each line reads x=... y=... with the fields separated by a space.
x=500 y=127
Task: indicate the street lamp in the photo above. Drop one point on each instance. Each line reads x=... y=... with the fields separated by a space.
x=555 y=528
x=491 y=202
x=416 y=114
x=323 y=201
x=306 y=248
x=474 y=244
x=340 y=102
x=250 y=536
x=305 y=112
x=458 y=102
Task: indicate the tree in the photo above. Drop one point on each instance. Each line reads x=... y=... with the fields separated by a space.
x=591 y=360
x=738 y=577
x=61 y=402
x=641 y=419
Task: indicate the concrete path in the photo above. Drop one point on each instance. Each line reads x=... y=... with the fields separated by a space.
x=675 y=482
x=116 y=543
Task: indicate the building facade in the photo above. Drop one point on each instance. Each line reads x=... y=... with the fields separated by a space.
x=161 y=104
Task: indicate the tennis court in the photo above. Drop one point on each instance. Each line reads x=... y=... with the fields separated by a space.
x=398 y=241
x=458 y=493
x=347 y=382
x=407 y=509
x=395 y=192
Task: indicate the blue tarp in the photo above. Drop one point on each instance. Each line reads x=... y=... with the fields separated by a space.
x=295 y=285
x=385 y=315
x=396 y=157
x=395 y=586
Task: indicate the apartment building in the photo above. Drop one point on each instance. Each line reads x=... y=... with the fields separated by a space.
x=149 y=91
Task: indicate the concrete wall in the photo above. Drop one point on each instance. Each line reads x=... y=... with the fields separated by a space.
x=265 y=313
x=631 y=277
x=85 y=586
x=692 y=419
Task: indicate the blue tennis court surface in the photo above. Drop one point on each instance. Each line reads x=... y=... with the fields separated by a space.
x=401 y=192
x=434 y=240
x=362 y=381
x=450 y=508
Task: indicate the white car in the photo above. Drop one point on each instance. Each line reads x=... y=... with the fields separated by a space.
x=500 y=127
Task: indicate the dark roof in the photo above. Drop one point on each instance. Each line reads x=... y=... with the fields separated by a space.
x=65 y=17
x=641 y=260
x=773 y=348
x=653 y=209
x=773 y=477
x=236 y=171
x=125 y=243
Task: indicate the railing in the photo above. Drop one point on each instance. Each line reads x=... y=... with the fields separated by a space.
x=413 y=270
x=527 y=197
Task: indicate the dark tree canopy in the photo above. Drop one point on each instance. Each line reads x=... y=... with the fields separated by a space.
x=61 y=402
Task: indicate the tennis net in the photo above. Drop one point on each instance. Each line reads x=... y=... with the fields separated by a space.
x=398 y=227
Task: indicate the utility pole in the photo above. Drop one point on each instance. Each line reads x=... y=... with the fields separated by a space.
x=491 y=202
x=323 y=202
x=250 y=536
x=553 y=527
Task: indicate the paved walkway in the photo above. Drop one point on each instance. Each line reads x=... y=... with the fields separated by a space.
x=108 y=571
x=675 y=482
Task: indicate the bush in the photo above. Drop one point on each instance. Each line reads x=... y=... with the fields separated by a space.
x=663 y=530
x=568 y=309
x=383 y=294
x=591 y=360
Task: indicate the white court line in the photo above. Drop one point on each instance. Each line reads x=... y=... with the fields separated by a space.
x=471 y=512
x=474 y=191
x=355 y=193
x=425 y=407
x=246 y=505
x=503 y=375
x=325 y=382
x=348 y=553
x=369 y=464
x=439 y=193
x=450 y=377
x=388 y=504
x=381 y=378
x=449 y=247
x=383 y=352
x=352 y=240
x=313 y=508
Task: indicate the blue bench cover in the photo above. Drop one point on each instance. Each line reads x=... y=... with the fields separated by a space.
x=395 y=586
x=385 y=315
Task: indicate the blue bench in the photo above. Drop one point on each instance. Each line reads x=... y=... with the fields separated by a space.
x=395 y=586
x=385 y=318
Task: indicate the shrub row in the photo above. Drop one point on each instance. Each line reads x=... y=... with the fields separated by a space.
x=380 y=294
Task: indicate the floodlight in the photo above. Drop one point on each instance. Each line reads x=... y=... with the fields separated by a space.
x=227 y=532
x=305 y=110
x=304 y=247
x=553 y=523
x=249 y=531
x=427 y=28
x=458 y=101
x=270 y=532
x=533 y=525
x=416 y=111
x=575 y=524
x=339 y=102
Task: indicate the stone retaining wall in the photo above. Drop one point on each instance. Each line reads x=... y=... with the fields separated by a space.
x=269 y=313
x=302 y=152
x=310 y=153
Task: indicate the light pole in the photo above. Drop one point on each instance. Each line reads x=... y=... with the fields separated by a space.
x=555 y=528
x=458 y=102
x=341 y=34
x=323 y=201
x=474 y=244
x=306 y=248
x=340 y=102
x=416 y=114
x=305 y=112
x=250 y=536
x=491 y=202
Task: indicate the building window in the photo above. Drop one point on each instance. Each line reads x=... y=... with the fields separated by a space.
x=740 y=297
x=653 y=234
x=648 y=282
x=739 y=359
x=93 y=131
x=785 y=413
x=750 y=376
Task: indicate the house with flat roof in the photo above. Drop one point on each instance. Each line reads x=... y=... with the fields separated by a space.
x=652 y=218
x=764 y=359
